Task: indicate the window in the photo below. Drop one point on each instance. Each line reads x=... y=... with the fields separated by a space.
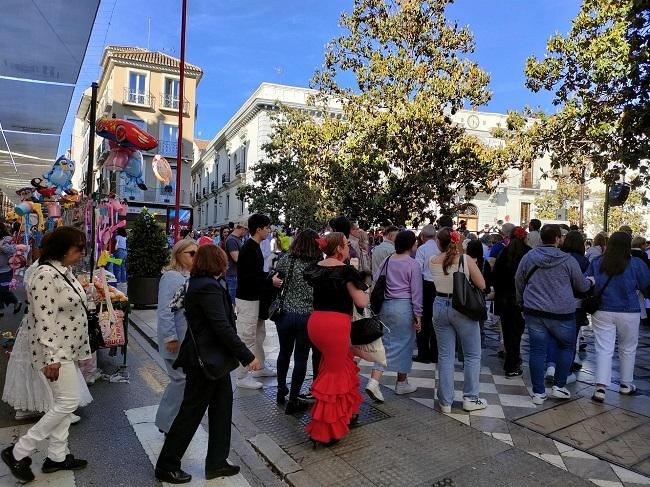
x=170 y=96
x=168 y=145
x=242 y=206
x=216 y=210
x=243 y=158
x=227 y=206
x=139 y=123
x=527 y=177
x=237 y=171
x=137 y=88
x=525 y=213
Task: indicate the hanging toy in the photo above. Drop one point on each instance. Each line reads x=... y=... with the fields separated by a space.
x=119 y=207
x=70 y=197
x=118 y=157
x=25 y=194
x=42 y=188
x=132 y=173
x=27 y=207
x=161 y=169
x=60 y=176
x=125 y=134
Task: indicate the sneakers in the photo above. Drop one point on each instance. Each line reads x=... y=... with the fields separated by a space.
x=560 y=393
x=404 y=387
x=70 y=463
x=571 y=378
x=444 y=409
x=474 y=403
x=515 y=373
x=539 y=398
x=19 y=468
x=248 y=383
x=74 y=419
x=265 y=372
x=550 y=374
x=373 y=390
x=627 y=389
x=599 y=394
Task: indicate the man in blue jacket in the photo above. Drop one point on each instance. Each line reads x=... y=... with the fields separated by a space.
x=545 y=282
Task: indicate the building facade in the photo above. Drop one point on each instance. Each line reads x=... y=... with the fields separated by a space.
x=142 y=87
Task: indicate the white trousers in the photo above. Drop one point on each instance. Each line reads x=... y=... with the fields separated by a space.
x=606 y=326
x=251 y=330
x=56 y=421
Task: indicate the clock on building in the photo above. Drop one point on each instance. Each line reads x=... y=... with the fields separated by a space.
x=472 y=121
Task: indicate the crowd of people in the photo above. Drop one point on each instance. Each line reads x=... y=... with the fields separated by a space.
x=218 y=292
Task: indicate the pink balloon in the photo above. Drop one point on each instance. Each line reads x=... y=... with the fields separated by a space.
x=117 y=159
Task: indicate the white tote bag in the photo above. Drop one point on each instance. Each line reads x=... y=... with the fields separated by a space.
x=372 y=352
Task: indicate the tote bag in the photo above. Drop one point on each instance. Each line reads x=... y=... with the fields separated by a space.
x=467 y=299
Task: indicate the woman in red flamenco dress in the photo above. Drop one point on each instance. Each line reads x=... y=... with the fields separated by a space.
x=337 y=287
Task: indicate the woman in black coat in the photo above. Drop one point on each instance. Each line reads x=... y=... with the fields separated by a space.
x=210 y=351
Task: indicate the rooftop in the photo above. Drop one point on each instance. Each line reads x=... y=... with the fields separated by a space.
x=142 y=55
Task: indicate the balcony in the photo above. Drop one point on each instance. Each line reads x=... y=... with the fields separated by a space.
x=168 y=148
x=213 y=187
x=153 y=196
x=136 y=97
x=237 y=169
x=225 y=178
x=205 y=191
x=170 y=102
x=106 y=103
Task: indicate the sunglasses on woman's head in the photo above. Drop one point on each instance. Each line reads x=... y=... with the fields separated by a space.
x=191 y=252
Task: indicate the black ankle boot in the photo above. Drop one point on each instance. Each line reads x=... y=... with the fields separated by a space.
x=296 y=406
x=281 y=398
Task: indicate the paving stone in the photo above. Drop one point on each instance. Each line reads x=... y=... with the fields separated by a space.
x=627 y=449
x=305 y=453
x=302 y=479
x=531 y=441
x=275 y=455
x=600 y=428
x=491 y=425
x=331 y=470
x=588 y=468
x=563 y=415
x=512 y=468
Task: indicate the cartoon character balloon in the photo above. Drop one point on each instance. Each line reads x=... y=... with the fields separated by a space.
x=132 y=172
x=125 y=134
x=60 y=176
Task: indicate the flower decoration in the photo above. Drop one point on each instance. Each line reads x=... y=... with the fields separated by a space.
x=520 y=233
x=455 y=237
x=322 y=243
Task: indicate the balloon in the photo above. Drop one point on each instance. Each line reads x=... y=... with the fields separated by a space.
x=124 y=133
x=117 y=159
x=60 y=176
x=161 y=169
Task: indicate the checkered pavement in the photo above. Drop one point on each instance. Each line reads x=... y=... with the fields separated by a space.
x=508 y=400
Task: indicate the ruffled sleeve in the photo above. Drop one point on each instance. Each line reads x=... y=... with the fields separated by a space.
x=352 y=275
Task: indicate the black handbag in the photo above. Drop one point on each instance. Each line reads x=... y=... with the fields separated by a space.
x=276 y=309
x=366 y=330
x=378 y=293
x=466 y=298
x=591 y=304
x=95 y=337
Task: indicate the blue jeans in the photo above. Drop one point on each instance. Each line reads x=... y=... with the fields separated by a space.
x=292 y=334
x=449 y=324
x=231 y=282
x=120 y=270
x=540 y=331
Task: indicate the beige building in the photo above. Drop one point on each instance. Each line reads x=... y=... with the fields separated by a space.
x=142 y=87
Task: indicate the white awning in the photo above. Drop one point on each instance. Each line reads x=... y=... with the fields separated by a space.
x=42 y=47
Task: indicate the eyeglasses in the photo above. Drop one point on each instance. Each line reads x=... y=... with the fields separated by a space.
x=191 y=252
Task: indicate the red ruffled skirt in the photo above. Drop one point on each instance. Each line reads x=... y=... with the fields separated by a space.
x=336 y=388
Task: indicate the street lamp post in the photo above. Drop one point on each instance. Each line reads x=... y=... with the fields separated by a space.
x=181 y=94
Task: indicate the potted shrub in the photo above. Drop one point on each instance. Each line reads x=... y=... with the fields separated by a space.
x=147 y=254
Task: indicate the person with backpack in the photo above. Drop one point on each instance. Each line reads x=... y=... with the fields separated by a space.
x=618 y=276
x=545 y=282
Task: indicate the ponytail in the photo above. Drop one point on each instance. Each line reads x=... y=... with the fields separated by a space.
x=448 y=240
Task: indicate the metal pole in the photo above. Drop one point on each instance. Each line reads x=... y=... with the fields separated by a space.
x=90 y=171
x=181 y=103
x=606 y=212
x=582 y=200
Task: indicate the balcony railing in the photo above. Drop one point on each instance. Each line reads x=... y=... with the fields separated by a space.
x=237 y=168
x=106 y=103
x=225 y=178
x=137 y=97
x=213 y=186
x=153 y=196
x=171 y=102
x=168 y=148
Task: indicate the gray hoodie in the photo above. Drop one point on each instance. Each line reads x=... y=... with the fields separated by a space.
x=549 y=292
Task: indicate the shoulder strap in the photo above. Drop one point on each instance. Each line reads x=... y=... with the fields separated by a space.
x=530 y=274
x=609 y=278
x=69 y=284
x=461 y=263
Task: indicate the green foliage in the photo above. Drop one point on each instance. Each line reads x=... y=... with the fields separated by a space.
x=632 y=213
x=395 y=149
x=148 y=252
x=598 y=73
x=565 y=195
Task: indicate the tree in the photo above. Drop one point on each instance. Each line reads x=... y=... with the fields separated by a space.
x=632 y=213
x=395 y=150
x=598 y=73
x=565 y=195
x=148 y=251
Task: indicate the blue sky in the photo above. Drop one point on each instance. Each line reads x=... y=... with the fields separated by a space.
x=241 y=43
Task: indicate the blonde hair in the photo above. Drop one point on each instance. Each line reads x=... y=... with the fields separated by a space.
x=179 y=248
x=363 y=239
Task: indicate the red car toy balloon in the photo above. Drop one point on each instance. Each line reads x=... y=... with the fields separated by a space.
x=125 y=134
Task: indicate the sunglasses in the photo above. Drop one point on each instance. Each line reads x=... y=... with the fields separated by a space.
x=191 y=252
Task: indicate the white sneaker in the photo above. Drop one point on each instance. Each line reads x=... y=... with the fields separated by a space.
x=22 y=414
x=474 y=404
x=374 y=391
x=444 y=409
x=265 y=372
x=75 y=419
x=539 y=398
x=550 y=374
x=627 y=389
x=571 y=378
x=404 y=387
x=248 y=383
x=560 y=393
